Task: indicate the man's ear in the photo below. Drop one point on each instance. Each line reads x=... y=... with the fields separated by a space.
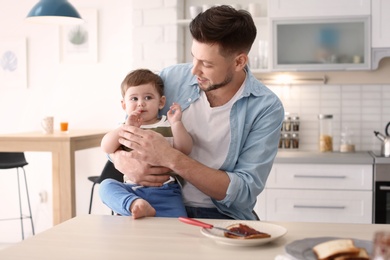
x=163 y=99
x=241 y=61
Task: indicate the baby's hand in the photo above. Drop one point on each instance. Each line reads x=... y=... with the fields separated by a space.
x=174 y=114
x=134 y=119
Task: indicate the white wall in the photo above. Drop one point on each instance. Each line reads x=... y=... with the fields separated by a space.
x=87 y=94
x=131 y=34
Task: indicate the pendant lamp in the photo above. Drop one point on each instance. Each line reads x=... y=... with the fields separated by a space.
x=54 y=12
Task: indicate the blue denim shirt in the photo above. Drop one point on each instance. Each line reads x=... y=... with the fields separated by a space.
x=255 y=121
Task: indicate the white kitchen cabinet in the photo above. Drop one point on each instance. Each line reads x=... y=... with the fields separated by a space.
x=308 y=44
x=380 y=19
x=380 y=23
x=317 y=193
x=319 y=206
x=317 y=8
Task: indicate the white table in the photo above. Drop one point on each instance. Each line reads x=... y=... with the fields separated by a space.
x=116 y=237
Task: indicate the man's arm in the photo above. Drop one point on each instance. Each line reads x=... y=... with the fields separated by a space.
x=147 y=146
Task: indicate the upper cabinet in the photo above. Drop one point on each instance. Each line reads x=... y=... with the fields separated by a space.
x=380 y=23
x=310 y=35
x=317 y=8
x=380 y=18
x=336 y=43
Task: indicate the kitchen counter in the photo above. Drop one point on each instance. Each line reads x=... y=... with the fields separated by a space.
x=314 y=157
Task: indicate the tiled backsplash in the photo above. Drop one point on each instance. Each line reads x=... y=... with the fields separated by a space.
x=158 y=42
x=362 y=109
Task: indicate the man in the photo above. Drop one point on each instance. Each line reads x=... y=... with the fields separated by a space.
x=233 y=118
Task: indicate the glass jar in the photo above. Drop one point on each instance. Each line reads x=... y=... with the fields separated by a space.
x=325 y=133
x=281 y=141
x=287 y=123
x=295 y=140
x=286 y=140
x=295 y=123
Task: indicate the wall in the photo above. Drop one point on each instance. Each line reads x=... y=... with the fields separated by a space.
x=87 y=94
x=360 y=108
x=131 y=34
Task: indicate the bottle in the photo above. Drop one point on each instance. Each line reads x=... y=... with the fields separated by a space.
x=286 y=141
x=295 y=123
x=295 y=141
x=325 y=133
x=287 y=123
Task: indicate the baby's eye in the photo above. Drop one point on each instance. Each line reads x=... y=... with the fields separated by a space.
x=148 y=98
x=134 y=99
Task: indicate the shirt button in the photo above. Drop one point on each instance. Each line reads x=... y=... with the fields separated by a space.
x=189 y=100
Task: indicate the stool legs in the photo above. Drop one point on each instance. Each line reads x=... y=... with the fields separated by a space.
x=91 y=199
x=28 y=203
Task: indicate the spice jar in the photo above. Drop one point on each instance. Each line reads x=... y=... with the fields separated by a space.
x=287 y=123
x=325 y=133
x=286 y=140
x=295 y=141
x=295 y=123
x=281 y=141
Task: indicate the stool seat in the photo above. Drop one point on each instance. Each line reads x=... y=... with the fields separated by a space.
x=17 y=160
x=12 y=160
x=109 y=172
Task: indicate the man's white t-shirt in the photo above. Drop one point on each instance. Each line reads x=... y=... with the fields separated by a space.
x=210 y=131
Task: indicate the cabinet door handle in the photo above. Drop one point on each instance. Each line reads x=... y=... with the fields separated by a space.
x=320 y=176
x=318 y=207
x=384 y=187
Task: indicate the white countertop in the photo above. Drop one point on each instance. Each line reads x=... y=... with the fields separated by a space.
x=316 y=157
x=116 y=237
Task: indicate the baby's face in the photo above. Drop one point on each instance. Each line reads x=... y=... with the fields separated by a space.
x=146 y=100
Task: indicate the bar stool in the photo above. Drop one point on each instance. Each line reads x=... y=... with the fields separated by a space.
x=109 y=171
x=17 y=160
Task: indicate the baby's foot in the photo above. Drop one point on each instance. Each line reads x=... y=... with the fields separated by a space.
x=141 y=208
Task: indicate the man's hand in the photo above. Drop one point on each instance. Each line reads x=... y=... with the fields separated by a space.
x=139 y=172
x=147 y=146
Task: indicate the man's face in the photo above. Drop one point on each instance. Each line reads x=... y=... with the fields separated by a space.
x=213 y=71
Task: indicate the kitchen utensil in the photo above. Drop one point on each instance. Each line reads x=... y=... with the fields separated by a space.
x=385 y=149
x=387 y=129
x=195 y=222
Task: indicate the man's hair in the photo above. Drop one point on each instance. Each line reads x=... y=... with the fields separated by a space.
x=233 y=30
x=141 y=77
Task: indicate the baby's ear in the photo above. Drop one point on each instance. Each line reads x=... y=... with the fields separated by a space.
x=163 y=99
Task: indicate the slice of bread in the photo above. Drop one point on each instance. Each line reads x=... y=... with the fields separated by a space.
x=250 y=233
x=333 y=248
x=362 y=255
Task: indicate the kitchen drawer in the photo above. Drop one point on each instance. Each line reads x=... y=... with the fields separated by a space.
x=321 y=176
x=319 y=206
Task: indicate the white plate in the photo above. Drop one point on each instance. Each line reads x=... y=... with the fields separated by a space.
x=218 y=236
x=303 y=249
